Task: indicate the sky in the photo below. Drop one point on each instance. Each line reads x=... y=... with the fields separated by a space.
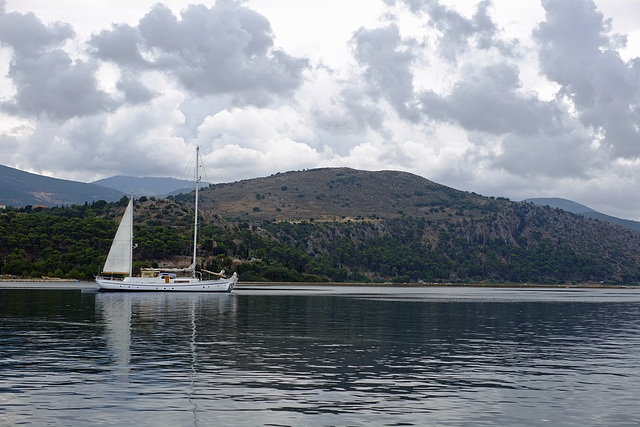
x=534 y=98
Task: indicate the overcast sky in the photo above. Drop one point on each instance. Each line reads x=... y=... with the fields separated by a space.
x=504 y=98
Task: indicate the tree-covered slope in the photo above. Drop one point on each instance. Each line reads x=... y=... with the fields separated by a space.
x=524 y=243
x=398 y=226
x=334 y=225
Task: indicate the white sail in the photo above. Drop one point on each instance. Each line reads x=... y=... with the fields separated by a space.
x=119 y=258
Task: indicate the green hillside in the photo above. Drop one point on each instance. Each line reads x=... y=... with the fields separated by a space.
x=334 y=225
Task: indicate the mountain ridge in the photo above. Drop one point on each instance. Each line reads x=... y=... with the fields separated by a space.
x=579 y=209
x=20 y=188
x=147 y=186
x=558 y=202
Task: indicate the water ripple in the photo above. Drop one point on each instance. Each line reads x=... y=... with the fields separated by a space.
x=320 y=358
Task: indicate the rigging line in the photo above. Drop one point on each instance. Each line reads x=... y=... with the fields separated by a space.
x=204 y=172
x=186 y=174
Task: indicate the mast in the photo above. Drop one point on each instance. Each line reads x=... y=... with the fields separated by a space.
x=195 y=223
x=131 y=241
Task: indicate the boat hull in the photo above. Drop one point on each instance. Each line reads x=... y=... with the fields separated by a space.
x=154 y=284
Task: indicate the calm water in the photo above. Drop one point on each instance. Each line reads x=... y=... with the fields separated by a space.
x=321 y=356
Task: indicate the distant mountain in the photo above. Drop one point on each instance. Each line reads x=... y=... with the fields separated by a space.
x=147 y=186
x=20 y=188
x=577 y=208
x=564 y=204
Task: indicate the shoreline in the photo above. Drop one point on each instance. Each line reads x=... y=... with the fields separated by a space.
x=52 y=280
x=441 y=285
x=53 y=283
x=59 y=284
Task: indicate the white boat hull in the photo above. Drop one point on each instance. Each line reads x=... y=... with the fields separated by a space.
x=157 y=284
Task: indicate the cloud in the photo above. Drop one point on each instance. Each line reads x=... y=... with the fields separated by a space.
x=48 y=82
x=363 y=112
x=484 y=98
x=506 y=125
x=120 y=45
x=27 y=35
x=272 y=140
x=134 y=91
x=387 y=60
x=456 y=33
x=489 y=100
x=53 y=86
x=560 y=155
x=593 y=115
x=577 y=50
x=224 y=49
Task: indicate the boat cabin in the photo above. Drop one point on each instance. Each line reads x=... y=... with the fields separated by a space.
x=152 y=272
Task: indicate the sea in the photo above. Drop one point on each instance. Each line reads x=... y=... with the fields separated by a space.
x=310 y=355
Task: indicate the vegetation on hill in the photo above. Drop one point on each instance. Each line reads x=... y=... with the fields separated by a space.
x=72 y=242
x=413 y=249
x=332 y=225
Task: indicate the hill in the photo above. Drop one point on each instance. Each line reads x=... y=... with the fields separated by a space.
x=19 y=188
x=334 y=224
x=402 y=227
x=579 y=209
x=146 y=186
x=338 y=194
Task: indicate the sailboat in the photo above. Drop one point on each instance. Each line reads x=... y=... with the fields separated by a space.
x=117 y=273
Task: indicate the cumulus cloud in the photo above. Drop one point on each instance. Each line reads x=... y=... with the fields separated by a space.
x=224 y=49
x=48 y=82
x=507 y=126
x=489 y=100
x=272 y=140
x=134 y=90
x=387 y=60
x=458 y=33
x=121 y=45
x=577 y=50
x=27 y=35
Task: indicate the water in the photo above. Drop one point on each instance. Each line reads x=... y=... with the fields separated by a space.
x=321 y=356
